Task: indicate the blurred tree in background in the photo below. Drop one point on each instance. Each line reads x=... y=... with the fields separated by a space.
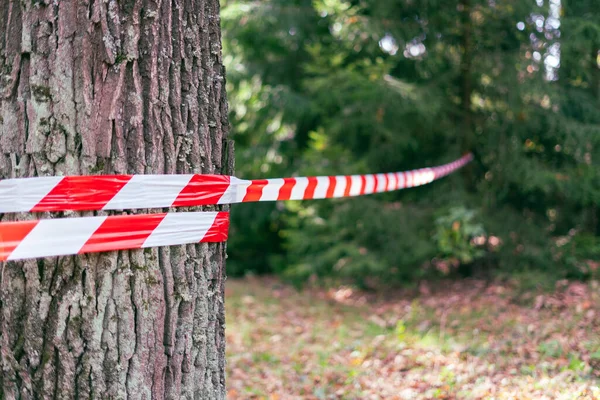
x=342 y=87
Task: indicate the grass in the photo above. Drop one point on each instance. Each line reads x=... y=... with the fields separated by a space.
x=467 y=340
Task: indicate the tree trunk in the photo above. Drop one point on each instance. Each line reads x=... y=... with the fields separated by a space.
x=103 y=87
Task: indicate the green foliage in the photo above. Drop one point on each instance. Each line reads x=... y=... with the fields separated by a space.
x=342 y=87
x=580 y=253
x=359 y=241
x=455 y=232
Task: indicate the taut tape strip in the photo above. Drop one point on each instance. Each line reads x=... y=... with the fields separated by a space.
x=118 y=192
x=69 y=236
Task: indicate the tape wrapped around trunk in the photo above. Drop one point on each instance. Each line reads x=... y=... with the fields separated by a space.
x=69 y=236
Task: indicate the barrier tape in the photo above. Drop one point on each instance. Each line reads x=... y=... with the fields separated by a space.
x=61 y=237
x=68 y=236
x=120 y=192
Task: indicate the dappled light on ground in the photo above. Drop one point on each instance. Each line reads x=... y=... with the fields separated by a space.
x=465 y=339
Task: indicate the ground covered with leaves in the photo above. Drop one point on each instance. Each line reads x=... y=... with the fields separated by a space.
x=451 y=340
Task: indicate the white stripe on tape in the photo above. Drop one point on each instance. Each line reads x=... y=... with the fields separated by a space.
x=271 y=190
x=340 y=186
x=55 y=237
x=299 y=189
x=181 y=228
x=151 y=191
x=23 y=194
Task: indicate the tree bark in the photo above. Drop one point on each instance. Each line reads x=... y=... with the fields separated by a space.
x=112 y=87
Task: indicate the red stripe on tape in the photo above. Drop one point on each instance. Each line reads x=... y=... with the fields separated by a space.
x=331 y=187
x=11 y=234
x=375 y=183
x=218 y=232
x=82 y=193
x=254 y=191
x=203 y=190
x=122 y=232
x=348 y=186
x=363 y=184
x=286 y=190
x=309 y=193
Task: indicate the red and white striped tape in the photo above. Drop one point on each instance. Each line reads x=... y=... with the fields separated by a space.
x=59 y=237
x=68 y=236
x=118 y=192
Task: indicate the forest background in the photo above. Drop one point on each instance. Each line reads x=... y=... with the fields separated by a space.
x=367 y=86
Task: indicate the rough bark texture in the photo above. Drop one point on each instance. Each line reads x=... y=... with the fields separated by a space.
x=100 y=86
